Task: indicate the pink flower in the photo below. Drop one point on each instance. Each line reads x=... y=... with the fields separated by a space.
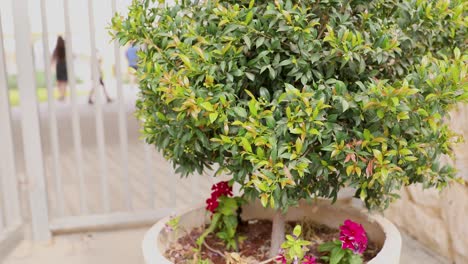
x=212 y=203
x=309 y=260
x=281 y=259
x=353 y=236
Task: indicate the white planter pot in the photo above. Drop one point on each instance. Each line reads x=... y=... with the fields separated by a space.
x=379 y=230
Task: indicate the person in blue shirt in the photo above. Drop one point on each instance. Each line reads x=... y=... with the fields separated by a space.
x=132 y=56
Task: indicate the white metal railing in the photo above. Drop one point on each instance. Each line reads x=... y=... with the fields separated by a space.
x=123 y=124
x=10 y=218
x=51 y=186
x=75 y=115
x=66 y=189
x=30 y=127
x=53 y=130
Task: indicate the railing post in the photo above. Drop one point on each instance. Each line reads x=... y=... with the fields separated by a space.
x=53 y=129
x=30 y=122
x=7 y=160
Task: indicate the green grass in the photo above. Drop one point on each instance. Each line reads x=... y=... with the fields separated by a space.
x=42 y=95
x=13 y=82
x=40 y=80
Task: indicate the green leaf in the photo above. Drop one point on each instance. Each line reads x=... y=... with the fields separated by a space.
x=457 y=53
x=185 y=60
x=297 y=231
x=411 y=158
x=240 y=111
x=363 y=194
x=355 y=259
x=199 y=51
x=367 y=134
x=249 y=17
x=259 y=42
x=264 y=93
x=378 y=155
x=271 y=72
x=253 y=107
x=336 y=255
x=328 y=246
x=298 y=145
x=422 y=112
x=290 y=88
x=405 y=152
x=272 y=202
x=228 y=206
x=246 y=144
x=213 y=117
x=264 y=199
x=207 y=106
x=250 y=76
x=285 y=62
x=380 y=113
x=247 y=41
x=344 y=104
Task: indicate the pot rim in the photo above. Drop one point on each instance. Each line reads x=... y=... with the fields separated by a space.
x=391 y=248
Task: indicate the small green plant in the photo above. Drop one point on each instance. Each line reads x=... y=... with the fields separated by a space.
x=173 y=223
x=225 y=216
x=294 y=249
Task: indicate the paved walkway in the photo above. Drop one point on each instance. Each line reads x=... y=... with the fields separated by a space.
x=123 y=247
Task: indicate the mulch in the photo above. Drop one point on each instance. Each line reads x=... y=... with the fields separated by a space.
x=255 y=243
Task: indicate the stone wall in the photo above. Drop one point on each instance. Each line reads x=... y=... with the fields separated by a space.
x=439 y=219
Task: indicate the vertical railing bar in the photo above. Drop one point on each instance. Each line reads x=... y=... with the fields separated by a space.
x=98 y=110
x=2 y=223
x=11 y=205
x=123 y=133
x=173 y=187
x=149 y=174
x=75 y=114
x=30 y=122
x=56 y=170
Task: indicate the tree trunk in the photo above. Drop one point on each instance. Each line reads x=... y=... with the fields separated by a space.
x=277 y=233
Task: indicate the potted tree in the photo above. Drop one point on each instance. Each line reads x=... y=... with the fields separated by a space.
x=298 y=99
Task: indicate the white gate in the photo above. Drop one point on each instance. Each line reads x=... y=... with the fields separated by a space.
x=10 y=220
x=85 y=167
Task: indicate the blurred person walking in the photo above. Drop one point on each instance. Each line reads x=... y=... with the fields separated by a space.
x=101 y=83
x=60 y=61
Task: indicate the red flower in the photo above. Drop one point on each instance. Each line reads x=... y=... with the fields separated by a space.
x=221 y=188
x=212 y=203
x=353 y=236
x=309 y=260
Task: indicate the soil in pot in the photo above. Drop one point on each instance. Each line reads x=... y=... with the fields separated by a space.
x=256 y=245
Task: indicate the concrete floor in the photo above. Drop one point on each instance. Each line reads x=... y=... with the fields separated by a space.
x=123 y=247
